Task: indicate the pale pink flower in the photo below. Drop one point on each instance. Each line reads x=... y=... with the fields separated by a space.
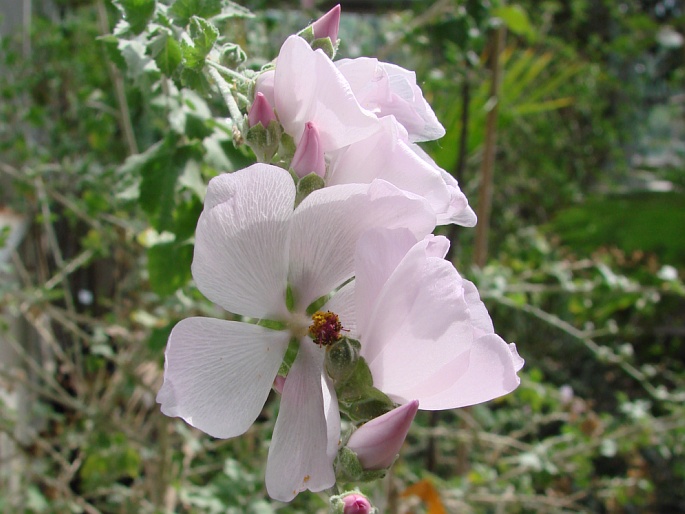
x=378 y=441
x=456 y=213
x=423 y=329
x=388 y=154
x=250 y=246
x=307 y=87
x=387 y=89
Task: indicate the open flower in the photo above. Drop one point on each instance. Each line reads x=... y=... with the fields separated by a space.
x=345 y=142
x=252 y=247
x=423 y=329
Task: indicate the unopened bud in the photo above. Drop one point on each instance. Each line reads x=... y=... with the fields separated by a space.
x=378 y=442
x=341 y=358
x=260 y=112
x=356 y=504
x=352 y=502
x=308 y=156
x=328 y=25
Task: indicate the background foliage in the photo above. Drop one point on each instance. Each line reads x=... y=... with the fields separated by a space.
x=111 y=124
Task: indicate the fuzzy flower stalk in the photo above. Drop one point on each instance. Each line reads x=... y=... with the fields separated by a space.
x=338 y=296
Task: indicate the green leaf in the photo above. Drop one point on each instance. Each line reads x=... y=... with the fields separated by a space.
x=137 y=13
x=203 y=35
x=160 y=167
x=111 y=44
x=232 y=10
x=183 y=10
x=159 y=337
x=516 y=20
x=138 y=63
x=166 y=52
x=186 y=215
x=169 y=267
x=105 y=465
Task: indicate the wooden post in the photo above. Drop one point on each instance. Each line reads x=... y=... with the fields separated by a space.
x=487 y=167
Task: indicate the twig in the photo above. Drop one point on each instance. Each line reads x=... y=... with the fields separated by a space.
x=118 y=83
x=602 y=352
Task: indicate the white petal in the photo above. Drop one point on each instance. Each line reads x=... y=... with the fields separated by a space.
x=459 y=211
x=482 y=322
x=299 y=456
x=308 y=87
x=379 y=251
x=218 y=374
x=332 y=413
x=420 y=321
x=389 y=90
x=328 y=223
x=487 y=372
x=241 y=243
x=385 y=155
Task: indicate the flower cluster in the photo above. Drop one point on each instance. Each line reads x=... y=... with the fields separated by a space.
x=325 y=253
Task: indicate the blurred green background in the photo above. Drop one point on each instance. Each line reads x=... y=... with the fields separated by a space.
x=106 y=143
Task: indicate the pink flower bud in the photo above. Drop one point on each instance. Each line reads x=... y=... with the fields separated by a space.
x=308 y=156
x=328 y=25
x=260 y=112
x=356 y=504
x=378 y=442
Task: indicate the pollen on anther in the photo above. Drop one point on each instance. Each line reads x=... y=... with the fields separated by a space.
x=325 y=328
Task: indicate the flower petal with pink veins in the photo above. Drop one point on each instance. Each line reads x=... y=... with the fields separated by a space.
x=328 y=223
x=300 y=455
x=218 y=374
x=241 y=242
x=309 y=88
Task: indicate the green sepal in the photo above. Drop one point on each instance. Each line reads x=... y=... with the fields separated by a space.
x=349 y=469
x=273 y=325
x=358 y=399
x=317 y=304
x=264 y=141
x=341 y=358
x=289 y=298
x=307 y=34
x=307 y=185
x=286 y=149
x=326 y=45
x=289 y=357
